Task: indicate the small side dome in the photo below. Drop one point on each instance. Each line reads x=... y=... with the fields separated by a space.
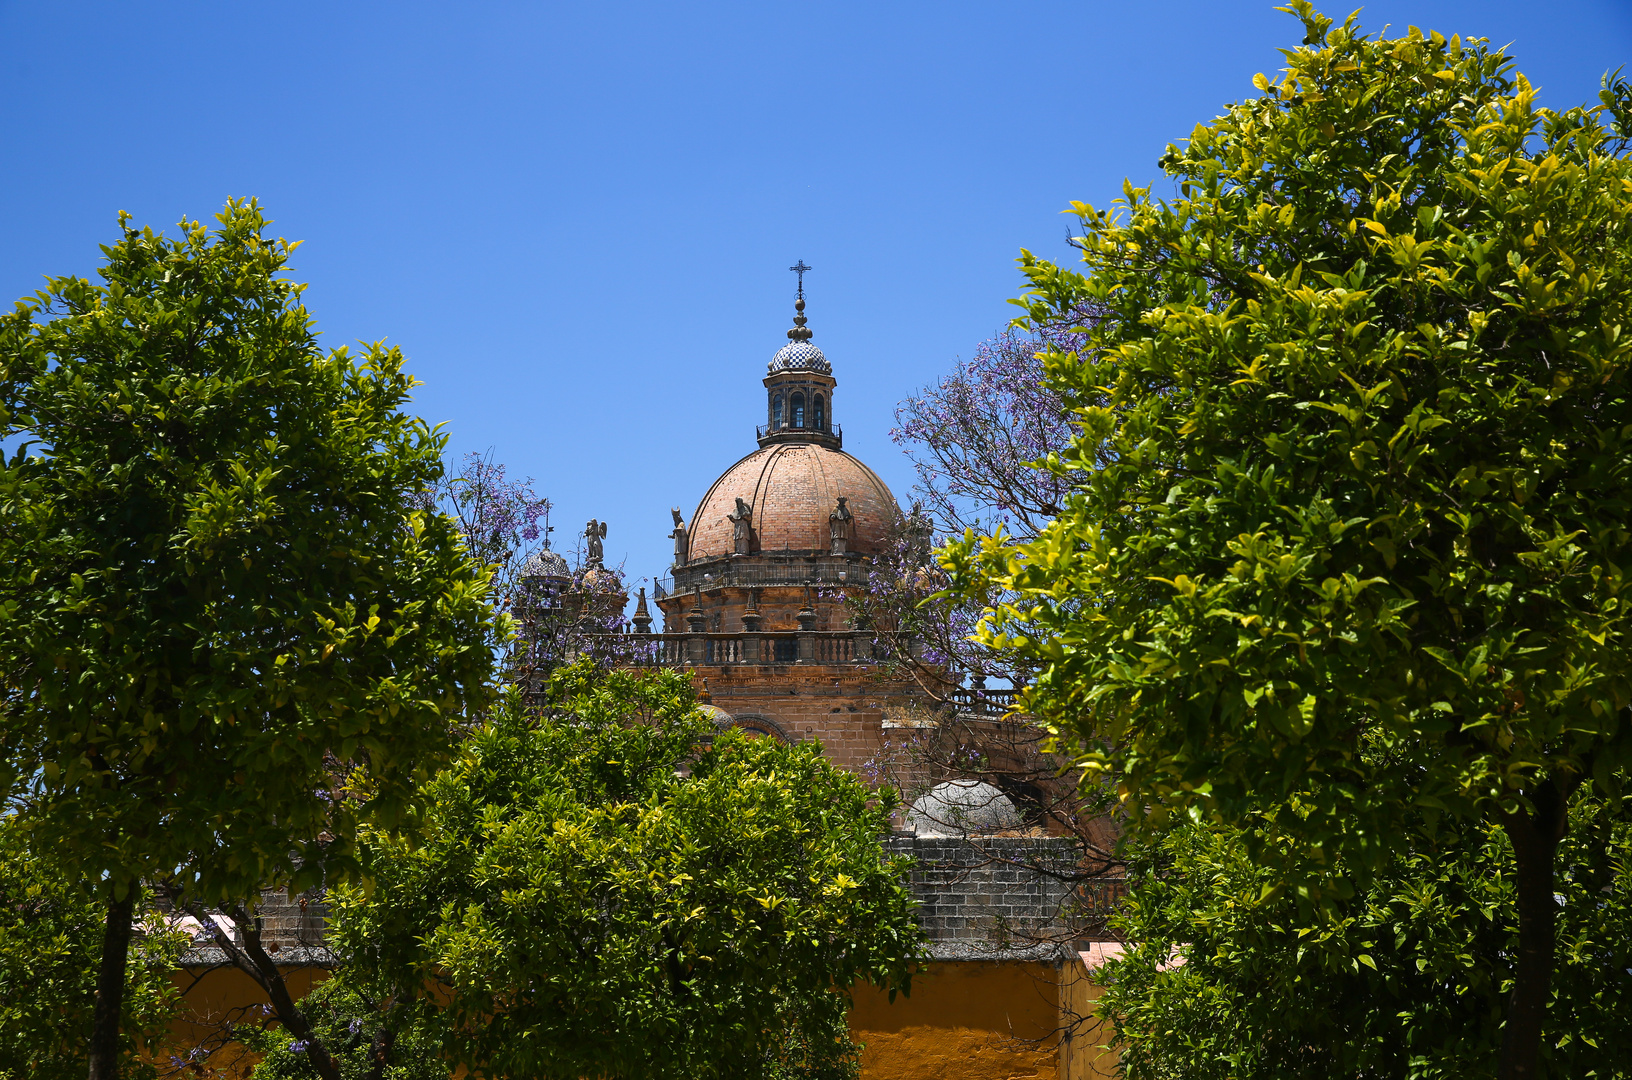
x=545 y=563
x=962 y=808
x=800 y=356
x=598 y=579
x=720 y=718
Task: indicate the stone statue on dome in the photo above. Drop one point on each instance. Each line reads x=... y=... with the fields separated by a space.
x=594 y=533
x=679 y=536
x=838 y=527
x=742 y=526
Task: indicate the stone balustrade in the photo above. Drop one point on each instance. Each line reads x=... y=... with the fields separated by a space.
x=741 y=648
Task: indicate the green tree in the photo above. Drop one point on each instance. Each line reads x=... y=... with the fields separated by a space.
x=227 y=629
x=361 y=1034
x=609 y=889
x=49 y=947
x=1405 y=980
x=1353 y=462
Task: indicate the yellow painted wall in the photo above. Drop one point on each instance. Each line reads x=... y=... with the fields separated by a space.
x=965 y=1020
x=1087 y=1053
x=216 y=996
x=983 y=1020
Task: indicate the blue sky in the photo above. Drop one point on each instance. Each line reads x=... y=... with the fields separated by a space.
x=575 y=219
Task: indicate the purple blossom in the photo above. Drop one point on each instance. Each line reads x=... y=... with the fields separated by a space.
x=987 y=442
x=499 y=518
x=980 y=437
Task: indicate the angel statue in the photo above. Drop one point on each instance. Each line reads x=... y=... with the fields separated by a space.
x=594 y=533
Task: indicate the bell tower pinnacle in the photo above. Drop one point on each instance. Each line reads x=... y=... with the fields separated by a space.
x=799 y=386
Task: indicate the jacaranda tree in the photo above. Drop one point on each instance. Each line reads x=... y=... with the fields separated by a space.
x=228 y=629
x=1354 y=460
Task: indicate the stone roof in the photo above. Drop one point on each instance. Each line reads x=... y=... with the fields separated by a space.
x=545 y=563
x=962 y=808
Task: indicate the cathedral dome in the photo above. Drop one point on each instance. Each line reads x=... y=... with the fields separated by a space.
x=793 y=487
x=800 y=356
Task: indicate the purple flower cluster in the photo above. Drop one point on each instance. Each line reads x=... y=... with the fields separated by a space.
x=978 y=436
x=499 y=517
x=981 y=441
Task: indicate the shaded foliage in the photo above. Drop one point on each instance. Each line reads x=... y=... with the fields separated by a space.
x=360 y=1033
x=1406 y=980
x=50 y=942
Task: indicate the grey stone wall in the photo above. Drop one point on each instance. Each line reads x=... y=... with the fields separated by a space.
x=984 y=898
x=994 y=898
x=291 y=932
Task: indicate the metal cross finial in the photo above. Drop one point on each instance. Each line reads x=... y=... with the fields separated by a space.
x=800 y=268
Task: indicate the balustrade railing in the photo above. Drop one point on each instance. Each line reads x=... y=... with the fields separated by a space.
x=762 y=430
x=776 y=647
x=835 y=650
x=983 y=702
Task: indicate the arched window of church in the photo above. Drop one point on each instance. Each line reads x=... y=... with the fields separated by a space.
x=796 y=405
x=818 y=409
x=776 y=411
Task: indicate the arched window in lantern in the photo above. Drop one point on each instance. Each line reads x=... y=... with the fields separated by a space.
x=818 y=411
x=796 y=405
x=776 y=411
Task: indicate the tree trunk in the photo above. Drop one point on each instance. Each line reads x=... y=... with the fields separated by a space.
x=277 y=991
x=379 y=1052
x=1535 y=838
x=110 y=986
x=248 y=956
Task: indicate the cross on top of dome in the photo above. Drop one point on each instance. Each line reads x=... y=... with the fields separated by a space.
x=799 y=354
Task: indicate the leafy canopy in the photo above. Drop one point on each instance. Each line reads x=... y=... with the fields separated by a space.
x=50 y=938
x=1408 y=979
x=219 y=596
x=611 y=889
x=1354 y=456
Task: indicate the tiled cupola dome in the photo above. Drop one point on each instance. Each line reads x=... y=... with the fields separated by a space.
x=800 y=356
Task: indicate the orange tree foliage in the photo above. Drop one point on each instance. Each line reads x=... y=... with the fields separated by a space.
x=1350 y=522
x=227 y=625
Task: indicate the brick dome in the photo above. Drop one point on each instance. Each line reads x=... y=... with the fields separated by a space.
x=793 y=487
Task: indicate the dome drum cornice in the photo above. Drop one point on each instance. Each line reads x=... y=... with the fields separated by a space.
x=833 y=438
x=769 y=570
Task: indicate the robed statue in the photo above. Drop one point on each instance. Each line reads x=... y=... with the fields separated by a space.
x=742 y=526
x=838 y=528
x=679 y=535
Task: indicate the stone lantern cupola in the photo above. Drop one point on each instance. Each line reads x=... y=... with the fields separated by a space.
x=799 y=388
